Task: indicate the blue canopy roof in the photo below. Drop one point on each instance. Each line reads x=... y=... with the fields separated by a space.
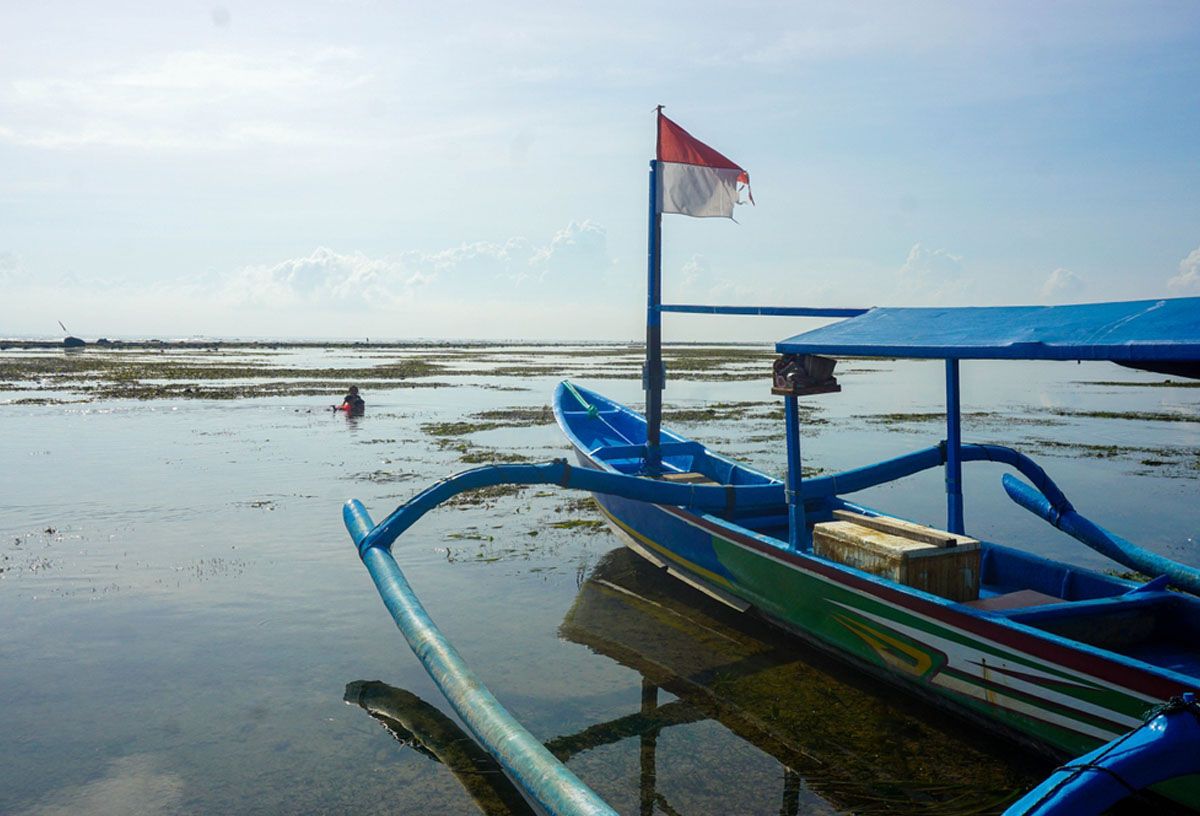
x=1148 y=332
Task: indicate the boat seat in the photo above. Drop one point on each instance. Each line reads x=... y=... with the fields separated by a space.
x=1021 y=599
x=690 y=477
x=904 y=529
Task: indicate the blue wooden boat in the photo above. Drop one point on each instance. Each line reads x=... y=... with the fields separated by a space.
x=1061 y=658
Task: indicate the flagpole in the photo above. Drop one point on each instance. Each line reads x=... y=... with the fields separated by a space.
x=652 y=378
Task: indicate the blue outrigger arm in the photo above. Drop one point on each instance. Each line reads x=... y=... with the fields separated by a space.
x=1162 y=748
x=558 y=472
x=692 y=496
x=1063 y=516
x=549 y=784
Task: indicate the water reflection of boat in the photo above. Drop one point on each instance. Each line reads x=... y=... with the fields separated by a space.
x=835 y=733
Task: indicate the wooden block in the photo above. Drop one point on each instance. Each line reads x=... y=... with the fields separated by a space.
x=949 y=572
x=688 y=478
x=905 y=529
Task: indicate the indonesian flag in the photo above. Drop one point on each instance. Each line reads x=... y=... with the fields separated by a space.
x=693 y=178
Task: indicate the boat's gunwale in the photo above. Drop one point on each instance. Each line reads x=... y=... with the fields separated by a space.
x=1146 y=679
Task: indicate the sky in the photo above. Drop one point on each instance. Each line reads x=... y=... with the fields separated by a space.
x=479 y=170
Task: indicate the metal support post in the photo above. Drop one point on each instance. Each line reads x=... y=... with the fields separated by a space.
x=653 y=376
x=799 y=538
x=954 y=498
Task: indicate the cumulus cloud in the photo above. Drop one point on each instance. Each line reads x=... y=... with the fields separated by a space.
x=579 y=252
x=1188 y=278
x=1062 y=285
x=513 y=287
x=932 y=276
x=695 y=273
x=324 y=276
x=938 y=264
x=699 y=281
x=580 y=247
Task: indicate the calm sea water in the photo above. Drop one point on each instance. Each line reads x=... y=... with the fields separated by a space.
x=181 y=610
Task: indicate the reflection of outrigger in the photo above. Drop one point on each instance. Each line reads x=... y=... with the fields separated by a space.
x=819 y=721
x=1060 y=657
x=428 y=731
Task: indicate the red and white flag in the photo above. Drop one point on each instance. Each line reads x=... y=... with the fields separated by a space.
x=693 y=178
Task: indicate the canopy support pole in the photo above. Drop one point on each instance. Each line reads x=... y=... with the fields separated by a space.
x=652 y=375
x=799 y=539
x=954 y=498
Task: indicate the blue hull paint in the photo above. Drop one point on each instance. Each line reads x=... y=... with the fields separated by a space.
x=679 y=539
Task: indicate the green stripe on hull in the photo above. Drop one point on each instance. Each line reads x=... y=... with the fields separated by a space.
x=914 y=649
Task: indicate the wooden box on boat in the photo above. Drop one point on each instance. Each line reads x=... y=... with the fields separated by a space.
x=904 y=553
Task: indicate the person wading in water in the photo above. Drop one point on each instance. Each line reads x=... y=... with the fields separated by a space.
x=352 y=403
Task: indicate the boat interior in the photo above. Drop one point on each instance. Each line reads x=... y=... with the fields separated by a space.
x=1143 y=621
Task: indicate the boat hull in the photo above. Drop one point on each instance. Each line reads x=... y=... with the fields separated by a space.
x=1058 y=695
x=1056 y=698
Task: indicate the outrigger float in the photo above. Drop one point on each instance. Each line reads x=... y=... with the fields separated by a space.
x=1062 y=658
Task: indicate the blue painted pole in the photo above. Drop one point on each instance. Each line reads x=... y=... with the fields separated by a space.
x=711 y=498
x=762 y=311
x=954 y=498
x=799 y=539
x=654 y=366
x=1063 y=516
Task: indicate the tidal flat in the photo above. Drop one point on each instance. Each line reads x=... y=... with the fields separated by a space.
x=187 y=627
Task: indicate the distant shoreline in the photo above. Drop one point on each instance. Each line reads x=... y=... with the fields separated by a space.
x=217 y=345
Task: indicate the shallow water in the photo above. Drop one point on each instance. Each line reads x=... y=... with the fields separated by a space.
x=182 y=609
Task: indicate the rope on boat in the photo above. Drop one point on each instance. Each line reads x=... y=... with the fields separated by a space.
x=1161 y=748
x=592 y=410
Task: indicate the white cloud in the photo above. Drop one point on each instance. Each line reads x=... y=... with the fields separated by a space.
x=131 y=781
x=699 y=281
x=1188 y=278
x=579 y=252
x=932 y=276
x=325 y=277
x=937 y=264
x=1062 y=285
x=186 y=100
x=695 y=273
x=581 y=248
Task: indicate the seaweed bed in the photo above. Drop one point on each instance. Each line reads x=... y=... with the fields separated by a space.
x=219 y=371
x=1157 y=384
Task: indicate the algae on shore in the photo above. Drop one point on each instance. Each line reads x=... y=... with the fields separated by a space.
x=190 y=370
